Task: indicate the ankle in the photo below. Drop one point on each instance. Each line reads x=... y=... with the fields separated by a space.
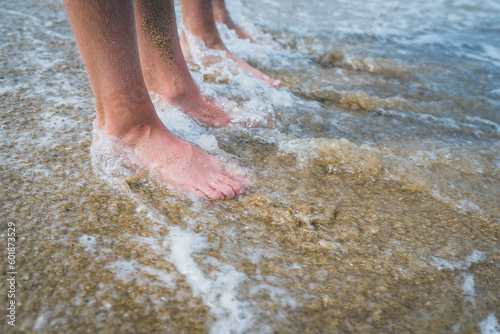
x=213 y=42
x=128 y=133
x=220 y=12
x=221 y=15
x=180 y=89
x=128 y=121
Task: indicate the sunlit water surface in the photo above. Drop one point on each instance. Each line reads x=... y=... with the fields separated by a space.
x=375 y=206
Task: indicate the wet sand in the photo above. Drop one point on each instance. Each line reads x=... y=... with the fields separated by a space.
x=374 y=209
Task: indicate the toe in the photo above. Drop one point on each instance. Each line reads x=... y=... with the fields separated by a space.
x=194 y=191
x=223 y=187
x=211 y=193
x=200 y=194
x=240 y=179
x=272 y=82
x=237 y=187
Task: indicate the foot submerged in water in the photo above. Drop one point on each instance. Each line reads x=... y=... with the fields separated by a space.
x=178 y=163
x=243 y=65
x=182 y=92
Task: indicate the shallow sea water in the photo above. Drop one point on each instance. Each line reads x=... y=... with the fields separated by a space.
x=376 y=198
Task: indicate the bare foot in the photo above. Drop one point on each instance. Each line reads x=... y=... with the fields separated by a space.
x=268 y=41
x=222 y=16
x=181 y=91
x=181 y=164
x=253 y=71
x=203 y=108
x=241 y=34
x=245 y=67
x=264 y=40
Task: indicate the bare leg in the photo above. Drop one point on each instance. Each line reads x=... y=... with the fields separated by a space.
x=163 y=65
x=106 y=35
x=198 y=18
x=222 y=16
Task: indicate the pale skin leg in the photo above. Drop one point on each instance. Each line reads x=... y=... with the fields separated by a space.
x=106 y=36
x=198 y=18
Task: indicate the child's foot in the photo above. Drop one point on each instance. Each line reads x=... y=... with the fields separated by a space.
x=221 y=15
x=253 y=71
x=245 y=67
x=180 y=164
x=181 y=91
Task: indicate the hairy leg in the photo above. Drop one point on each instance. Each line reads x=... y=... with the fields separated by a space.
x=163 y=65
x=106 y=36
x=198 y=18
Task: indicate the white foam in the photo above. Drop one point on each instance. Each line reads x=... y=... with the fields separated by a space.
x=235 y=8
x=219 y=290
x=298 y=147
x=468 y=287
x=491 y=51
x=256 y=97
x=176 y=121
x=40 y=322
x=490 y=325
x=161 y=276
x=442 y=264
x=124 y=270
x=109 y=155
x=483 y=121
x=89 y=242
x=466 y=205
x=254 y=254
x=208 y=143
x=484 y=58
x=133 y=270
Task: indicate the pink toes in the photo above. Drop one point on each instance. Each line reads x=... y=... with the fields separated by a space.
x=199 y=194
x=237 y=183
x=211 y=193
x=270 y=81
x=224 y=188
x=237 y=187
